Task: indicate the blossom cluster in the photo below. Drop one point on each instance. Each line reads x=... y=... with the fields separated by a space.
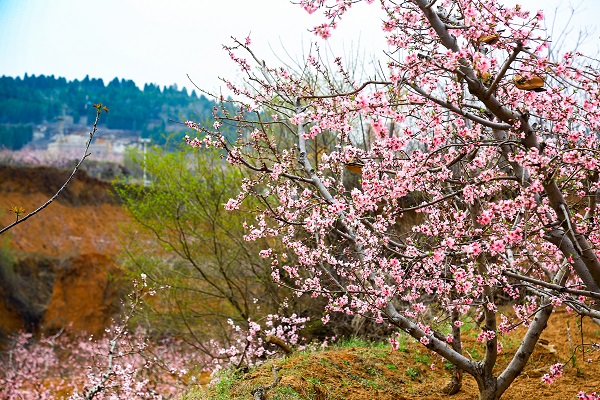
x=556 y=372
x=250 y=347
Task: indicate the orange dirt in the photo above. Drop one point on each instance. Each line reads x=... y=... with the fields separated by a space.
x=83 y=295
x=84 y=218
x=76 y=238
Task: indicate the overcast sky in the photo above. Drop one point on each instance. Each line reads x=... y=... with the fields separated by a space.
x=162 y=41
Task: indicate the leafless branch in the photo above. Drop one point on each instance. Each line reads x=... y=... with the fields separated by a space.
x=75 y=169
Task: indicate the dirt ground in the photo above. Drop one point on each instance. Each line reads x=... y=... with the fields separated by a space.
x=85 y=218
x=377 y=372
x=60 y=252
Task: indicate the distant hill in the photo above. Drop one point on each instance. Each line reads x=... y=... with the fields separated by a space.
x=35 y=100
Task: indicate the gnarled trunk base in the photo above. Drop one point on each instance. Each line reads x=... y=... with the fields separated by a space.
x=455 y=384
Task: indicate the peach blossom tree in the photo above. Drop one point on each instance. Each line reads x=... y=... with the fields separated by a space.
x=462 y=179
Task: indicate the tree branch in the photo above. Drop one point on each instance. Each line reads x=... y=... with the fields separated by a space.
x=75 y=169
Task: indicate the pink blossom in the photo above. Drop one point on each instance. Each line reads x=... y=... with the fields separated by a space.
x=232 y=204
x=556 y=371
x=486 y=335
x=323 y=30
x=497 y=246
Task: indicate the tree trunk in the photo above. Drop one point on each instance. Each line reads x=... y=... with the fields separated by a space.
x=488 y=388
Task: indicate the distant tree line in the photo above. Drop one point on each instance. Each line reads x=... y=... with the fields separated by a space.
x=15 y=136
x=37 y=99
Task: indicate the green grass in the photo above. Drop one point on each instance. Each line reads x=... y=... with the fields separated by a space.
x=469 y=328
x=373 y=371
x=345 y=382
x=314 y=381
x=422 y=358
x=369 y=383
x=367 y=365
x=351 y=342
x=511 y=342
x=325 y=362
x=224 y=384
x=412 y=373
x=287 y=393
x=361 y=343
x=474 y=352
x=195 y=393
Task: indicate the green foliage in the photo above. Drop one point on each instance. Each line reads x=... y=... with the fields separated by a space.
x=359 y=342
x=474 y=352
x=185 y=240
x=220 y=391
x=371 y=384
x=352 y=342
x=224 y=384
x=314 y=381
x=327 y=373
x=402 y=344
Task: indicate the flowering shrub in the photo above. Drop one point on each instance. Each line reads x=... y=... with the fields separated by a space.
x=63 y=365
x=587 y=396
x=120 y=364
x=467 y=174
x=220 y=296
x=124 y=364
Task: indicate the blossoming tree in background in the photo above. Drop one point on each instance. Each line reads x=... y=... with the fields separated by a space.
x=121 y=363
x=463 y=177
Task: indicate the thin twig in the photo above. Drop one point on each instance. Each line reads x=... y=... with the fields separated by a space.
x=75 y=169
x=502 y=72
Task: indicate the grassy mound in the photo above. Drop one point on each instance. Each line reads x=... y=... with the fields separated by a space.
x=360 y=370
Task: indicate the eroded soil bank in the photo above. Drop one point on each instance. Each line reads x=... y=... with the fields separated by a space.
x=57 y=269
